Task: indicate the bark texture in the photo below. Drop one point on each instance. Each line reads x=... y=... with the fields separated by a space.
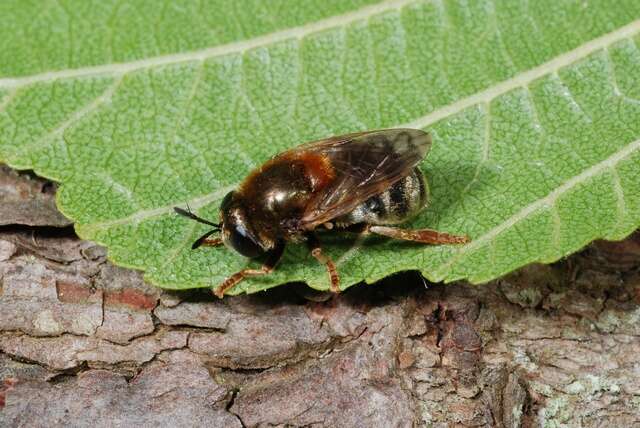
x=85 y=343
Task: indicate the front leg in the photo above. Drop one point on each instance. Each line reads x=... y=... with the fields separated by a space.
x=205 y=241
x=211 y=242
x=316 y=252
x=273 y=257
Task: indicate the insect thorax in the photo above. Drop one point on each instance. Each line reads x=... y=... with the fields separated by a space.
x=401 y=201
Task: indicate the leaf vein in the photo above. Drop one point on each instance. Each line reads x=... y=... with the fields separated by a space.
x=197 y=80
x=614 y=80
x=556 y=230
x=230 y=48
x=619 y=191
x=484 y=154
x=547 y=201
x=6 y=100
x=525 y=78
x=78 y=115
x=194 y=203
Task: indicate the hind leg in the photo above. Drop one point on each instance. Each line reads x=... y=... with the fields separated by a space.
x=423 y=236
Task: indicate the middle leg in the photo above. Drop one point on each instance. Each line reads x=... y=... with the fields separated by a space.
x=316 y=251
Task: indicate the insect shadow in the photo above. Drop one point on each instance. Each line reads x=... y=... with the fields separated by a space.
x=452 y=182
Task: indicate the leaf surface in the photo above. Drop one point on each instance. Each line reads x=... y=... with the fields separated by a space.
x=136 y=107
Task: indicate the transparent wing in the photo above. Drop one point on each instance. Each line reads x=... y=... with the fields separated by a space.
x=364 y=164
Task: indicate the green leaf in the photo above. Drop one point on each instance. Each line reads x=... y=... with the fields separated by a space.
x=136 y=107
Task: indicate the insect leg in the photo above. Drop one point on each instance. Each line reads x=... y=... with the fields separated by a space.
x=273 y=257
x=211 y=242
x=205 y=240
x=424 y=236
x=316 y=252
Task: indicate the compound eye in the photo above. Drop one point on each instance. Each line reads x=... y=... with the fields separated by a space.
x=243 y=243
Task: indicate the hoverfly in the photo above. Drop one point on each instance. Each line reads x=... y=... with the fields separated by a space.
x=366 y=180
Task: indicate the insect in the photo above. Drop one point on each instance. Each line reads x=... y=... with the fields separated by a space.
x=367 y=181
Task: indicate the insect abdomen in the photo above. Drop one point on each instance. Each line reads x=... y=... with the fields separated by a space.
x=402 y=200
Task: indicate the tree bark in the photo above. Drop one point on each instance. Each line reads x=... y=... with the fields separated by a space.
x=85 y=343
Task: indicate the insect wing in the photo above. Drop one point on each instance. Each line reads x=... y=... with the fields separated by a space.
x=364 y=164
